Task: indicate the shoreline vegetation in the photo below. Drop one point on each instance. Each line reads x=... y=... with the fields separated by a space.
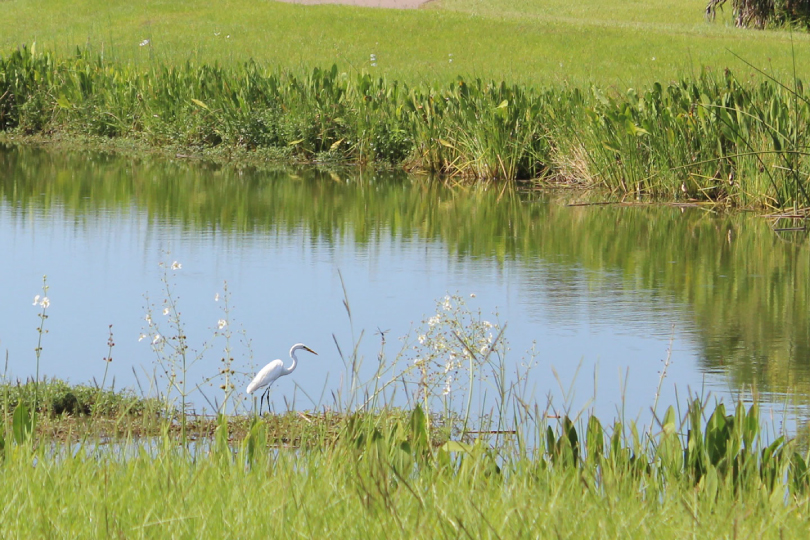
x=711 y=472
x=709 y=137
x=90 y=460
x=117 y=464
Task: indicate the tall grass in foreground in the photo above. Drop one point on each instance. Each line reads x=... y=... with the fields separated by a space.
x=709 y=138
x=364 y=468
x=382 y=474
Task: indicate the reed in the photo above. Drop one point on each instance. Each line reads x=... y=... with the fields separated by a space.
x=707 y=138
x=389 y=473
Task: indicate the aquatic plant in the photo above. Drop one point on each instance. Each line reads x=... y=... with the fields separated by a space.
x=704 y=138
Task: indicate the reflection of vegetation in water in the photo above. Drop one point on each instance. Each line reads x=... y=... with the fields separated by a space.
x=745 y=286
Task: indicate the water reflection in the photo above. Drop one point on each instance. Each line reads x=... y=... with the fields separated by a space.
x=605 y=285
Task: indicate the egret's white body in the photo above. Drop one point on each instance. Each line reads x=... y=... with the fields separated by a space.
x=273 y=370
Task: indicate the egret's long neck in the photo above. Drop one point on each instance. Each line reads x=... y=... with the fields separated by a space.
x=290 y=369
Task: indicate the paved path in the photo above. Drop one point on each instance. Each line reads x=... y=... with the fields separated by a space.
x=393 y=4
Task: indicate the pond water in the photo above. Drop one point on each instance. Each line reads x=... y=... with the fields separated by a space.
x=594 y=297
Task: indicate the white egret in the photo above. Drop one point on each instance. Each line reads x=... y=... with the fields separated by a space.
x=272 y=371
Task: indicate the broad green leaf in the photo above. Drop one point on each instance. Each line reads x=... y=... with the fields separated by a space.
x=22 y=424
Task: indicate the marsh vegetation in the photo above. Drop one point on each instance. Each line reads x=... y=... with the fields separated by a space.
x=514 y=467
x=518 y=471
x=713 y=138
x=663 y=119
x=444 y=436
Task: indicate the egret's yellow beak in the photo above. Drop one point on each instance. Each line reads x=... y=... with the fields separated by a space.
x=310 y=350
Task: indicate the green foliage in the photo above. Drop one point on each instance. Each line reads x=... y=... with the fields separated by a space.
x=764 y=13
x=392 y=442
x=564 y=450
x=594 y=441
x=724 y=454
x=488 y=129
x=255 y=441
x=57 y=397
x=614 y=43
x=22 y=424
x=705 y=138
x=367 y=474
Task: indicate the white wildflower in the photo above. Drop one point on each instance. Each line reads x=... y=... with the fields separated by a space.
x=141 y=337
x=433 y=321
x=143 y=43
x=216 y=297
x=176 y=265
x=422 y=339
x=45 y=303
x=222 y=323
x=156 y=339
x=36 y=300
x=446 y=304
x=447 y=387
x=165 y=311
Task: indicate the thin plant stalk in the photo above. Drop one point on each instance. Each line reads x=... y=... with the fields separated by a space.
x=43 y=303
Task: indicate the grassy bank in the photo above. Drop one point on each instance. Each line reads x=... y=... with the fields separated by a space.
x=613 y=43
x=708 y=137
x=492 y=89
x=54 y=398
x=386 y=473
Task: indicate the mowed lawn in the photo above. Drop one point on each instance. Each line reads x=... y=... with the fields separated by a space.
x=612 y=43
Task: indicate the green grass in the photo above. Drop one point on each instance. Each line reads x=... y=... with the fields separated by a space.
x=57 y=398
x=381 y=475
x=712 y=137
x=291 y=82
x=362 y=468
x=537 y=43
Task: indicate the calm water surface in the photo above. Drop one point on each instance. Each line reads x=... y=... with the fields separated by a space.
x=592 y=295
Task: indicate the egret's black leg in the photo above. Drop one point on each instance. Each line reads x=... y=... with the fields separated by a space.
x=265 y=396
